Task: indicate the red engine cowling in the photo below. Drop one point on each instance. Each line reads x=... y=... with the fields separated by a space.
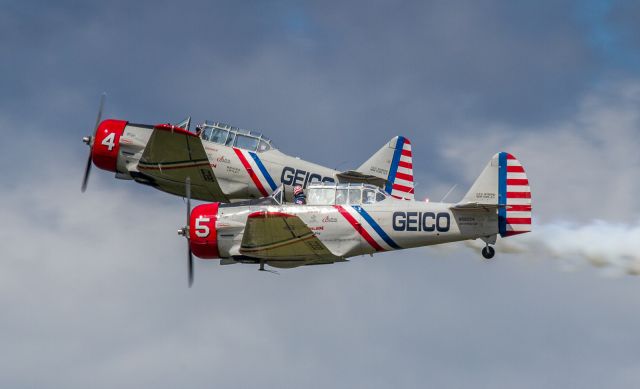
x=106 y=144
x=203 y=236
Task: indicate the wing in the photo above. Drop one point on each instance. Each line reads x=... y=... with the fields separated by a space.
x=276 y=236
x=171 y=155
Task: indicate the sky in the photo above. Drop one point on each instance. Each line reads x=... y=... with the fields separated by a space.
x=93 y=288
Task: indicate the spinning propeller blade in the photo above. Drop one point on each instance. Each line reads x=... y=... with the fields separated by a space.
x=190 y=255
x=87 y=170
x=89 y=141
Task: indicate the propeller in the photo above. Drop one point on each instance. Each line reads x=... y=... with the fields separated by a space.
x=89 y=141
x=184 y=231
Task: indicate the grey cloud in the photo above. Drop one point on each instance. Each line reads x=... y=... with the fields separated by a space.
x=613 y=247
x=94 y=293
x=581 y=168
x=93 y=287
x=615 y=33
x=410 y=66
x=358 y=75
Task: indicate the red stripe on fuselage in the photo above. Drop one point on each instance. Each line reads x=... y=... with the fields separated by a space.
x=517 y=181
x=515 y=169
x=518 y=208
x=143 y=167
x=266 y=214
x=402 y=188
x=518 y=220
x=511 y=233
x=174 y=129
x=252 y=174
x=518 y=195
x=403 y=176
x=406 y=153
x=406 y=165
x=358 y=227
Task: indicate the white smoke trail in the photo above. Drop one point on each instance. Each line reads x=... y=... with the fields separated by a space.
x=614 y=246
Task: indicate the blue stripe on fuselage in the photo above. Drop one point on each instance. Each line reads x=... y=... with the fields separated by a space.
x=502 y=193
x=394 y=164
x=264 y=171
x=365 y=215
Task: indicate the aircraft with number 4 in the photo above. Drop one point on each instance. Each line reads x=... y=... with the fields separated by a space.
x=227 y=164
x=340 y=221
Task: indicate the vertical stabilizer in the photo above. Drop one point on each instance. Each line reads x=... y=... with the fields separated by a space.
x=393 y=164
x=515 y=192
x=400 y=178
x=503 y=183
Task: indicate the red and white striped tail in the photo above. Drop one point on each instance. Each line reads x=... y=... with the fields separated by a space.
x=400 y=180
x=514 y=191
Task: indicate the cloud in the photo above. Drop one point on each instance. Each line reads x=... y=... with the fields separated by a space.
x=583 y=175
x=93 y=288
x=603 y=244
x=352 y=72
x=582 y=168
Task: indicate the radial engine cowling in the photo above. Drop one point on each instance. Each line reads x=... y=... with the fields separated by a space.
x=106 y=144
x=203 y=236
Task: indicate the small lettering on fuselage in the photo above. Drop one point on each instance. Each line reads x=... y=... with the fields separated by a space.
x=421 y=221
x=293 y=177
x=485 y=195
x=233 y=170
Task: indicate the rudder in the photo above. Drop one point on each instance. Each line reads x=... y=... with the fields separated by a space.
x=503 y=184
x=400 y=179
x=393 y=163
x=515 y=193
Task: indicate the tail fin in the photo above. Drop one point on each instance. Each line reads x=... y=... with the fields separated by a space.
x=393 y=163
x=504 y=183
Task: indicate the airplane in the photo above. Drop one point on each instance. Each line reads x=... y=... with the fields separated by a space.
x=341 y=220
x=228 y=164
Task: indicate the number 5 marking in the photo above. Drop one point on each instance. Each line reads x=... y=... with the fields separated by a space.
x=202 y=230
x=109 y=141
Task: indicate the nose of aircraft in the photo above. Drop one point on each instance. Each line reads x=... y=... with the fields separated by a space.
x=106 y=144
x=203 y=237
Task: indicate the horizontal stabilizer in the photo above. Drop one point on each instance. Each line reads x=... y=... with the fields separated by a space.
x=352 y=176
x=476 y=206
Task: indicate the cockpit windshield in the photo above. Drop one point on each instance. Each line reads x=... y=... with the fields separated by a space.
x=343 y=194
x=227 y=135
x=246 y=142
x=321 y=196
x=206 y=133
x=218 y=135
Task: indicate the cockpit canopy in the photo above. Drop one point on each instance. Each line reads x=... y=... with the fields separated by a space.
x=341 y=194
x=227 y=135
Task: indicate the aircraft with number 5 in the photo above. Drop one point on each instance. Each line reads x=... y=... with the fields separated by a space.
x=227 y=164
x=340 y=221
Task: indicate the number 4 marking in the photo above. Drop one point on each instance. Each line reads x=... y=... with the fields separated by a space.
x=109 y=141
